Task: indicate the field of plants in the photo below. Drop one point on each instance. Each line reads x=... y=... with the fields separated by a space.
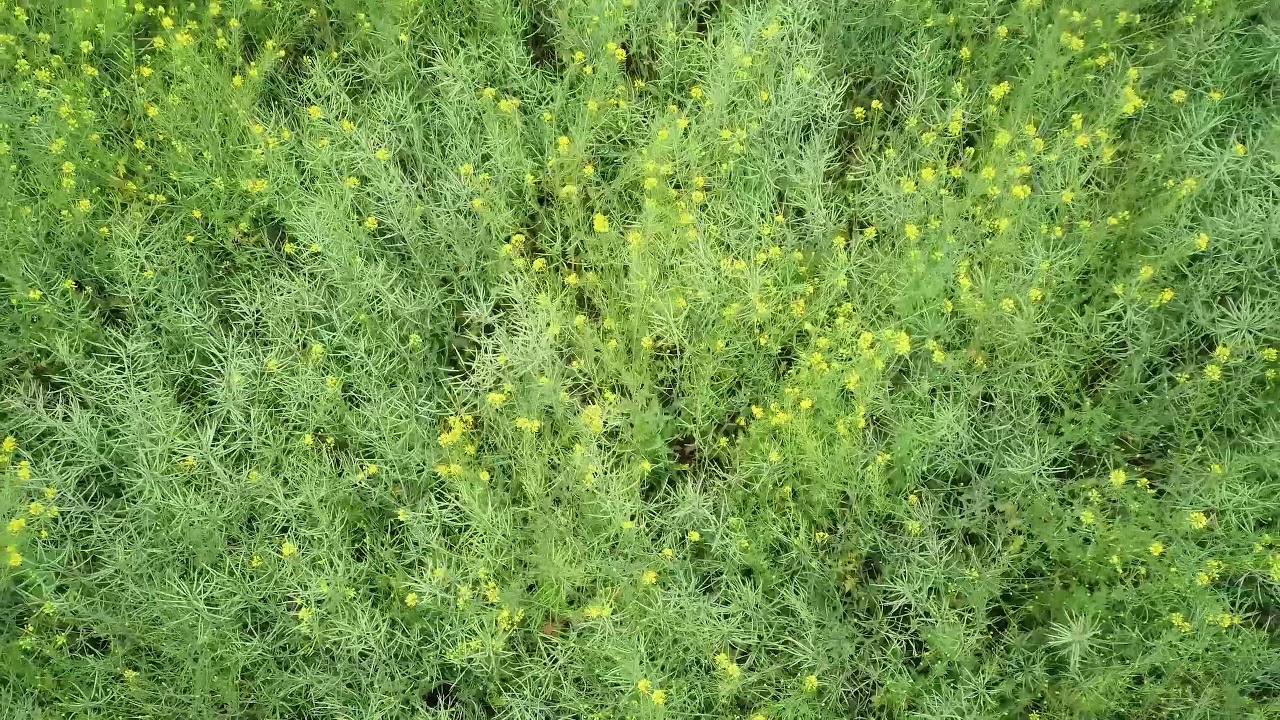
x=605 y=359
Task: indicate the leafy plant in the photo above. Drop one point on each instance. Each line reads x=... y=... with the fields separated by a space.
x=602 y=358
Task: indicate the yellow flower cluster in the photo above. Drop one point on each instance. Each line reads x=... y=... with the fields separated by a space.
x=455 y=428
x=593 y=418
x=727 y=666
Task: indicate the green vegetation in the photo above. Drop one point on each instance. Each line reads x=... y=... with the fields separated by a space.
x=639 y=359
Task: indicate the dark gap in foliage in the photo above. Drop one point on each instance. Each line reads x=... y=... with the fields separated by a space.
x=705 y=12
x=192 y=393
x=102 y=486
x=540 y=37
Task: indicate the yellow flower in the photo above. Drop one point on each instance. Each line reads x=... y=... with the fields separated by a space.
x=288 y=549
x=15 y=558
x=1178 y=96
x=1118 y=477
x=411 y=599
x=1087 y=517
x=694 y=536
x=729 y=667
x=16 y=525
x=314 y=112
x=600 y=223
x=1155 y=548
x=371 y=223
x=1213 y=371
x=593 y=418
x=659 y=697
x=810 y=683
x=644 y=687
x=649 y=577
x=1198 y=520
